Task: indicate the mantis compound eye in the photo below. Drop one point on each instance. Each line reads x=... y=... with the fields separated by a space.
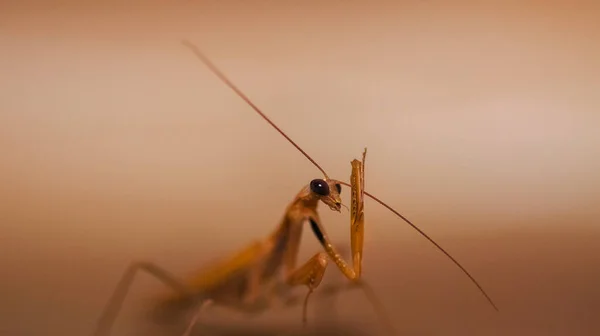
x=319 y=187
x=338 y=187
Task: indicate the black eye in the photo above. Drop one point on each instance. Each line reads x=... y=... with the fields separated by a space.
x=320 y=187
x=338 y=187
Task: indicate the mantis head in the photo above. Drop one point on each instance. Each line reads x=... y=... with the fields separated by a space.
x=328 y=191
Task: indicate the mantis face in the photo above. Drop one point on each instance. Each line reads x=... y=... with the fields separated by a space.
x=328 y=191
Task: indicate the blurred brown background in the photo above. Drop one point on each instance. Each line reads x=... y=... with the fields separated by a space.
x=481 y=120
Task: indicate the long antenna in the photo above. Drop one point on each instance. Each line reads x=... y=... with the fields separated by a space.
x=434 y=243
x=219 y=74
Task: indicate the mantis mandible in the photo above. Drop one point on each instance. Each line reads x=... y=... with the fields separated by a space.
x=247 y=280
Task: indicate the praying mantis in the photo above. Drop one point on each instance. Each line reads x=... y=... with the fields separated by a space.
x=252 y=278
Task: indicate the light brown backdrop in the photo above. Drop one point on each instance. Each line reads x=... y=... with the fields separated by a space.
x=481 y=121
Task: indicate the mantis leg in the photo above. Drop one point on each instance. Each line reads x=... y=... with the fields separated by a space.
x=357 y=218
x=205 y=304
x=115 y=302
x=310 y=274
